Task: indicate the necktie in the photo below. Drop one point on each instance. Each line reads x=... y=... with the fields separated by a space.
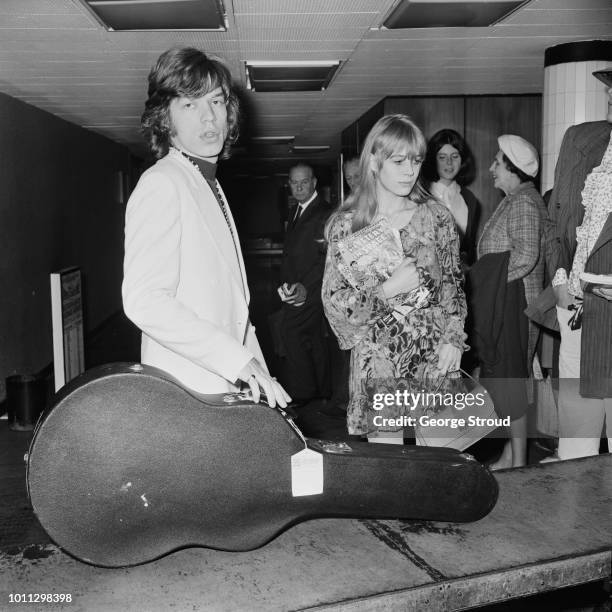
x=298 y=212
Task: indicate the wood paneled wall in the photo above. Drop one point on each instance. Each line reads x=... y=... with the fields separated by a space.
x=449 y=112
x=481 y=119
x=486 y=118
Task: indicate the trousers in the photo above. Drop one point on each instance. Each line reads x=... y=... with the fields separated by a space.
x=581 y=419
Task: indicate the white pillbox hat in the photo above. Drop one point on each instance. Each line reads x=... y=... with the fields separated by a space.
x=520 y=152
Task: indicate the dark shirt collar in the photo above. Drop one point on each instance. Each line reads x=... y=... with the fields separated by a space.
x=208 y=170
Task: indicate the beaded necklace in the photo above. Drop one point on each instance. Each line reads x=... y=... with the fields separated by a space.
x=212 y=183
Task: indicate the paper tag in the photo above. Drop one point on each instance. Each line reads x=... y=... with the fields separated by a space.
x=306 y=473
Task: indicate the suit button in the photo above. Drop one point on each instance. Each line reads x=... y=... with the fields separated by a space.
x=558 y=205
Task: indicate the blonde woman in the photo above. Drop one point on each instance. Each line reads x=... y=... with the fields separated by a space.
x=405 y=352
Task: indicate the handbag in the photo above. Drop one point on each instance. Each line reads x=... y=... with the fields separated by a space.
x=547 y=415
x=465 y=417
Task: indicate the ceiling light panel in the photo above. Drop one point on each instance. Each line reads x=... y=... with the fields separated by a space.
x=289 y=76
x=121 y=15
x=449 y=14
x=310 y=148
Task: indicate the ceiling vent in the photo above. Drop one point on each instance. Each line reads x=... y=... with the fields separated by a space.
x=450 y=13
x=121 y=15
x=290 y=76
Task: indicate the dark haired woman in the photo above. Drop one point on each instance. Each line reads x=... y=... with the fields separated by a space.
x=447 y=169
x=184 y=283
x=393 y=348
x=515 y=226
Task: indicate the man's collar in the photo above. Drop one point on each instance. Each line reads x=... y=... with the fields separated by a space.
x=208 y=169
x=308 y=201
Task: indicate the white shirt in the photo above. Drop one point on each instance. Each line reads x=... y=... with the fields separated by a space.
x=302 y=206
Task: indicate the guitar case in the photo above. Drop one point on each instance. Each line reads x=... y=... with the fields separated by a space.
x=128 y=465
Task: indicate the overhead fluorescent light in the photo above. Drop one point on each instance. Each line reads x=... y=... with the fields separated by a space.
x=265 y=76
x=450 y=13
x=122 y=15
x=309 y=148
x=272 y=140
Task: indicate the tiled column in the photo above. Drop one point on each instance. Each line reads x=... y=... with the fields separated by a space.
x=572 y=95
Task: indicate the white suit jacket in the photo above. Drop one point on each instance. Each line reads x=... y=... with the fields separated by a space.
x=184 y=281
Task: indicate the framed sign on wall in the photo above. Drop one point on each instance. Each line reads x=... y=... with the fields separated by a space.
x=67 y=323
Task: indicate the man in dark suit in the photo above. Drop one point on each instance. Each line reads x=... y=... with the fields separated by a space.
x=306 y=367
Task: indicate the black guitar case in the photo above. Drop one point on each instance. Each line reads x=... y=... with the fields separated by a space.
x=127 y=466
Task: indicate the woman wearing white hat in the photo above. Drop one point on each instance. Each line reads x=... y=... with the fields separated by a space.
x=515 y=226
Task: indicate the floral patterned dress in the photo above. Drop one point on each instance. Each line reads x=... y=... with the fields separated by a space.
x=400 y=355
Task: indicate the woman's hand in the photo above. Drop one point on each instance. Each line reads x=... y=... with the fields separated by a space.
x=449 y=358
x=259 y=380
x=404 y=278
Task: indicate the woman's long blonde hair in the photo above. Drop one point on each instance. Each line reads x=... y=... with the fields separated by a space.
x=391 y=134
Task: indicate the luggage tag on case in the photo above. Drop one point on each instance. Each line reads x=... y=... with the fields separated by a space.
x=306 y=473
x=306 y=466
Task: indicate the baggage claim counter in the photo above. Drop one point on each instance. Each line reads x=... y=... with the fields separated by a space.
x=551 y=528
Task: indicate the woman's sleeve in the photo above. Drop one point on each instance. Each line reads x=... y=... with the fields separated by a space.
x=350 y=311
x=452 y=295
x=524 y=232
